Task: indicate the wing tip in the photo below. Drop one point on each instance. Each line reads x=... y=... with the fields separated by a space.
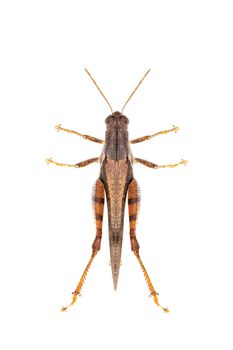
x=115 y=280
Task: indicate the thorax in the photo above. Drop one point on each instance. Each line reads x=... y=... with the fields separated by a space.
x=116 y=144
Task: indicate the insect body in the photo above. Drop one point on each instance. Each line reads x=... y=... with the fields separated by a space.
x=115 y=182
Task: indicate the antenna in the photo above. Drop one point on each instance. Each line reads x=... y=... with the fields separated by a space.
x=99 y=89
x=135 y=90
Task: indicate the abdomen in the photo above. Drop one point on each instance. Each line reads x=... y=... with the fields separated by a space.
x=116 y=176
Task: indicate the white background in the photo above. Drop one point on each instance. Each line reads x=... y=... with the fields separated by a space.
x=185 y=224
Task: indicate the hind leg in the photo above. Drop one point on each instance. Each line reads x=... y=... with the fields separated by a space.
x=133 y=203
x=98 y=203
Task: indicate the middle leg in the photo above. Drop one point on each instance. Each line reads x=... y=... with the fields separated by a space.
x=156 y=166
x=133 y=203
x=77 y=165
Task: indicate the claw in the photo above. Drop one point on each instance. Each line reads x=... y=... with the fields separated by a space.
x=57 y=127
x=165 y=309
x=175 y=128
x=48 y=160
x=64 y=308
x=183 y=161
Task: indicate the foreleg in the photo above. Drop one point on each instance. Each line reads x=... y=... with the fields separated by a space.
x=148 y=137
x=86 y=137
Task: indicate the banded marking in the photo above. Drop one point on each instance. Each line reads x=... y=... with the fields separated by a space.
x=99 y=200
x=98 y=217
x=133 y=217
x=133 y=200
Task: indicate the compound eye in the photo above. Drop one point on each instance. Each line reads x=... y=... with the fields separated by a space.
x=109 y=119
x=124 y=119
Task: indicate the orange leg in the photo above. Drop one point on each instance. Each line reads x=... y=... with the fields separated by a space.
x=98 y=203
x=133 y=203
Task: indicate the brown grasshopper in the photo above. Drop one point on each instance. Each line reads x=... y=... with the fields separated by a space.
x=115 y=181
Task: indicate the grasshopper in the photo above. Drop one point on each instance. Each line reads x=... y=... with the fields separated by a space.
x=115 y=182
